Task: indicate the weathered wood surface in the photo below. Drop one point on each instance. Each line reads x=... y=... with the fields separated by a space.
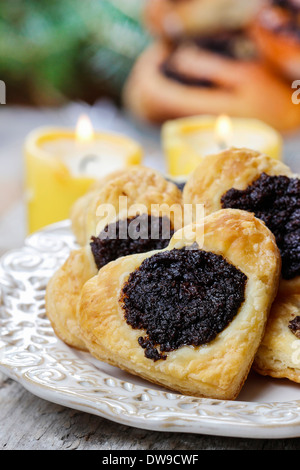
x=30 y=423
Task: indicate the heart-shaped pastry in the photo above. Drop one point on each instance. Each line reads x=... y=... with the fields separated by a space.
x=247 y=180
x=189 y=317
x=116 y=233
x=138 y=184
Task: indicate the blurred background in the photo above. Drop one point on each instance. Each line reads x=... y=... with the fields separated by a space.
x=59 y=59
x=54 y=52
x=62 y=58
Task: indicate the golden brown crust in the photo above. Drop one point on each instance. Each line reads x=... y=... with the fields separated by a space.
x=140 y=185
x=279 y=352
x=212 y=178
x=242 y=89
x=171 y=19
x=62 y=295
x=219 y=368
x=79 y=208
x=233 y=168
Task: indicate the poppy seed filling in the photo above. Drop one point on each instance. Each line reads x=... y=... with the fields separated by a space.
x=124 y=237
x=294 y=326
x=276 y=201
x=181 y=297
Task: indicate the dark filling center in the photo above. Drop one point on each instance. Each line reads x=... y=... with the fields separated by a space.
x=276 y=201
x=234 y=45
x=169 y=71
x=294 y=326
x=133 y=235
x=181 y=297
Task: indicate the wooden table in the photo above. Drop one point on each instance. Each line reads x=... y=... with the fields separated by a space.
x=28 y=422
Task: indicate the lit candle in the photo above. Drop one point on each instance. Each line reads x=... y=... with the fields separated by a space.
x=223 y=132
x=186 y=141
x=61 y=164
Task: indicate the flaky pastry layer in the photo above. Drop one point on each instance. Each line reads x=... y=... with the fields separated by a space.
x=217 y=369
x=238 y=168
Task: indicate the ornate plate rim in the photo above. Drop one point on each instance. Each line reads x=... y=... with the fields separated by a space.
x=31 y=354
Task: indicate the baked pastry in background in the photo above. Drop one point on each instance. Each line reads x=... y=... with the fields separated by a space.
x=174 y=18
x=219 y=75
x=276 y=32
x=247 y=180
x=189 y=317
x=106 y=236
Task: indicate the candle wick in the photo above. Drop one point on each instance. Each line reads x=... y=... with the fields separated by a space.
x=86 y=160
x=222 y=144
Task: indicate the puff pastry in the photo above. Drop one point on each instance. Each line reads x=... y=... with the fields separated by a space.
x=79 y=208
x=239 y=168
x=279 y=353
x=169 y=82
x=218 y=368
x=141 y=186
x=62 y=294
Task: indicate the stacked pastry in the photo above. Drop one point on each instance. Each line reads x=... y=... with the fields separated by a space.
x=213 y=57
x=142 y=188
x=195 y=309
x=247 y=180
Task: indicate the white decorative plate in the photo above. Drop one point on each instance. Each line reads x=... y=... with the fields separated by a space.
x=31 y=354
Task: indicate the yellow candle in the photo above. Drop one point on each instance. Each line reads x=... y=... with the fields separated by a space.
x=186 y=141
x=61 y=164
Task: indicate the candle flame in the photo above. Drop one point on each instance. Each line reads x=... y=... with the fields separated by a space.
x=223 y=131
x=84 y=129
